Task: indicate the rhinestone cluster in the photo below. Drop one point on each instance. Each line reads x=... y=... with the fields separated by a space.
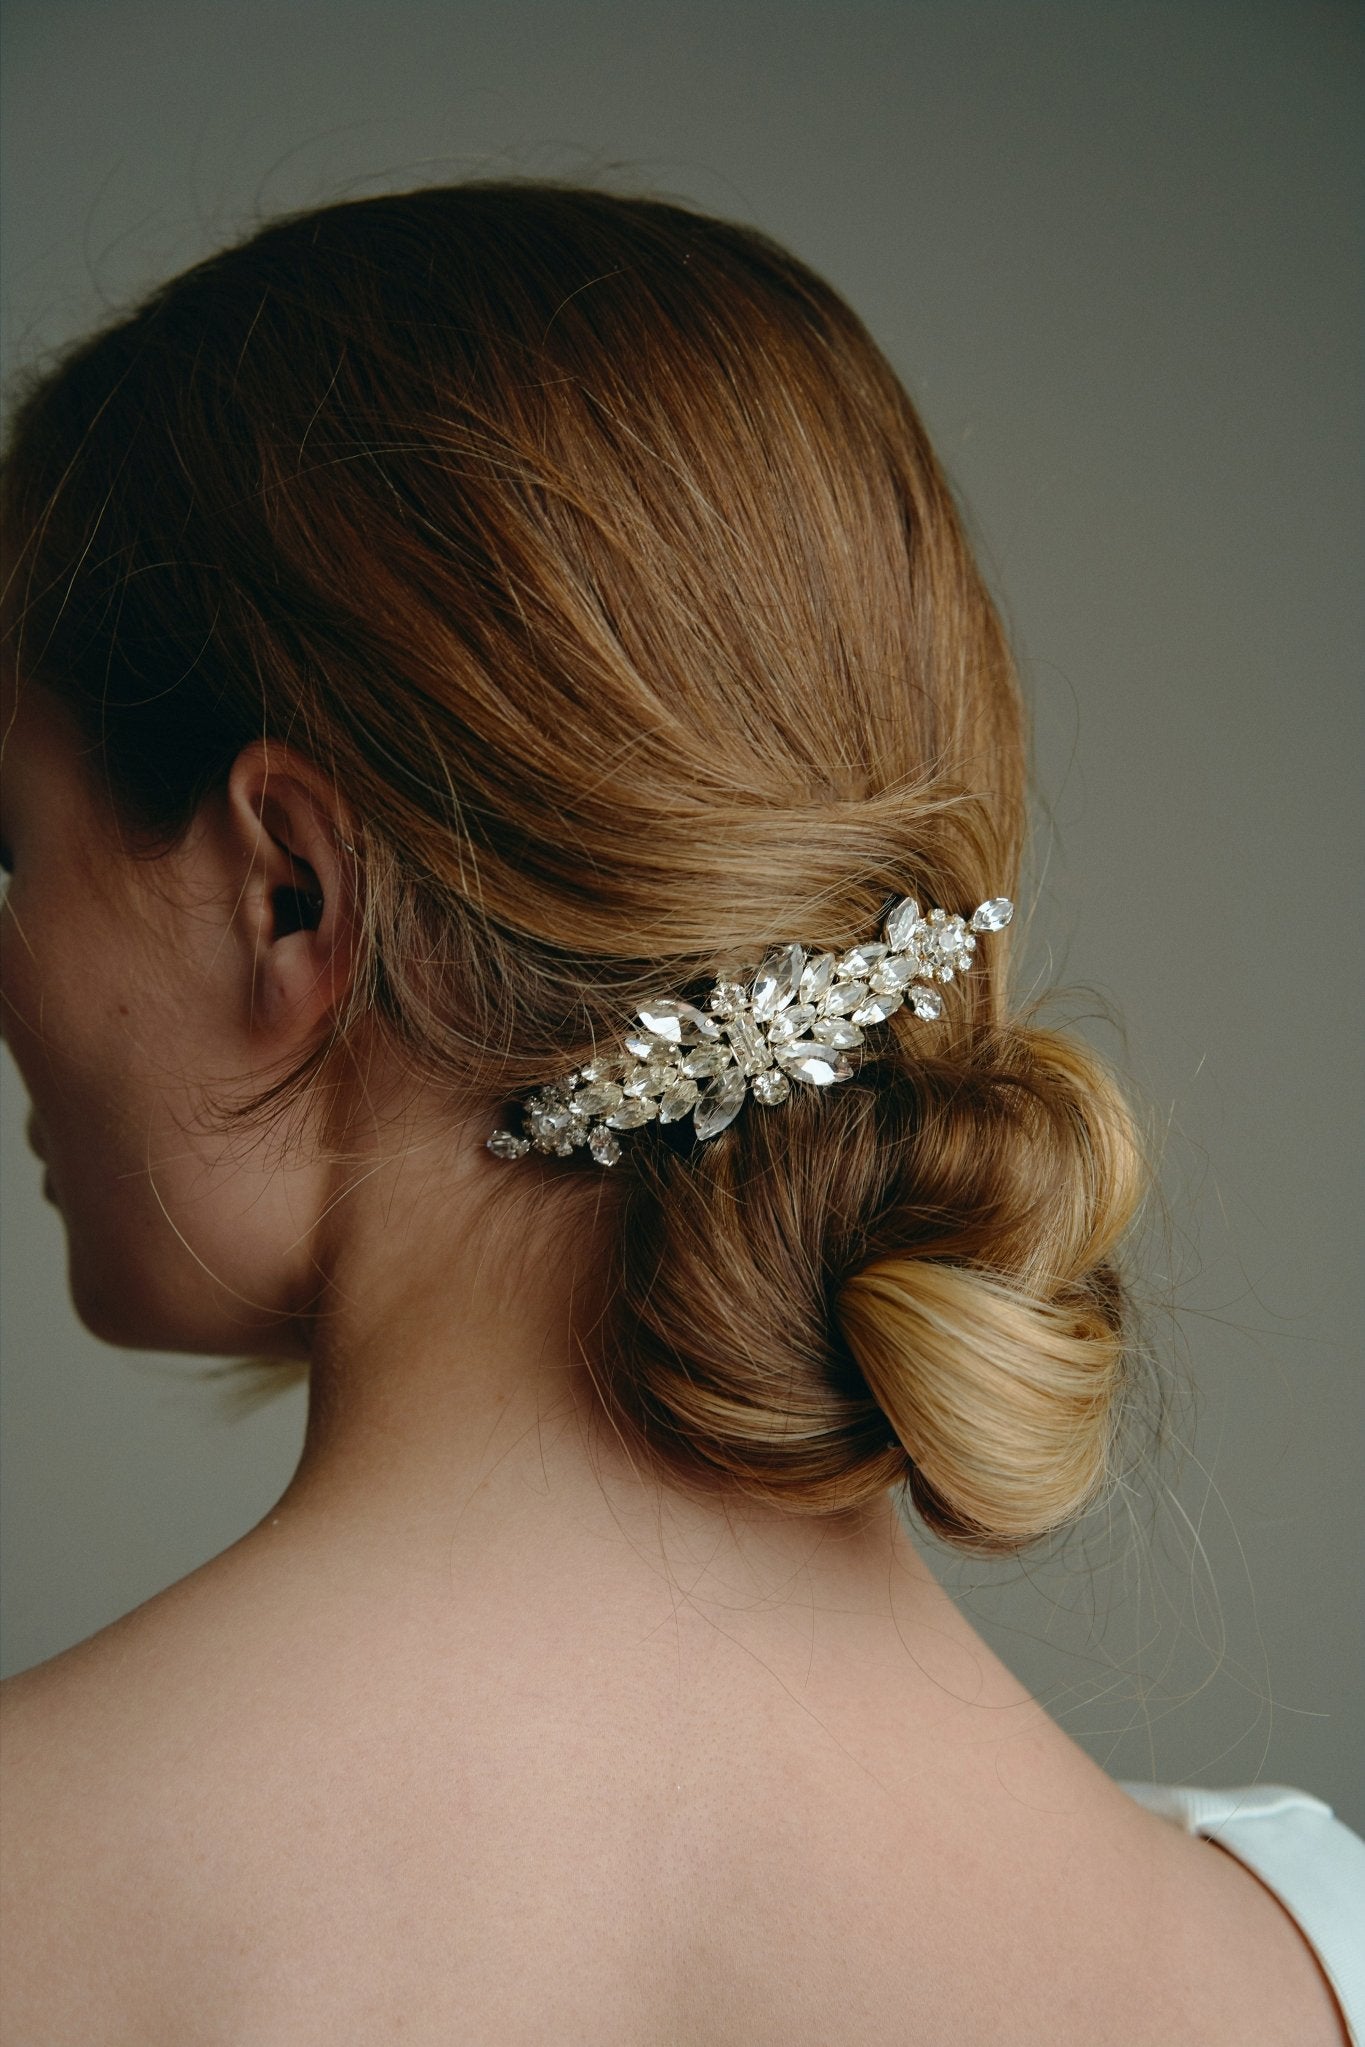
x=796 y=1018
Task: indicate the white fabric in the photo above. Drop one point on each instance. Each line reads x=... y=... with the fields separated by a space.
x=1314 y=1864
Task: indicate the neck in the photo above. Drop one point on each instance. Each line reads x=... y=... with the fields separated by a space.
x=451 y=1410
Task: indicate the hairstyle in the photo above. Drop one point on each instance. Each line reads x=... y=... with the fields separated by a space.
x=594 y=549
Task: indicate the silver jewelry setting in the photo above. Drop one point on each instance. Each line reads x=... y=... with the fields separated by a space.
x=796 y=1018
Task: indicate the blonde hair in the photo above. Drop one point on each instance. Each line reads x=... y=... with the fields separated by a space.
x=597 y=552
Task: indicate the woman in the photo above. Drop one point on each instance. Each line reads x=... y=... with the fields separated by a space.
x=514 y=789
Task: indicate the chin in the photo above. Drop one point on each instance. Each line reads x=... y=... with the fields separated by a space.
x=111 y=1301
x=107 y=1312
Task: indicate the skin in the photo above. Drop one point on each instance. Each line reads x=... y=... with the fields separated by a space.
x=726 y=1776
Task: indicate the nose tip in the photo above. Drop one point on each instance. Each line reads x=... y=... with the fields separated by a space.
x=31 y=1132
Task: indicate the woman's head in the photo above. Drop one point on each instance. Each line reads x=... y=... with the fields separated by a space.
x=141 y=996
x=591 y=555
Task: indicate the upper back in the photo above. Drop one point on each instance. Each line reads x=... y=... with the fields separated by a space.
x=685 y=1845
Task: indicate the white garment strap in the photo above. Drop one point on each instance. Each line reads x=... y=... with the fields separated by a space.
x=1314 y=1864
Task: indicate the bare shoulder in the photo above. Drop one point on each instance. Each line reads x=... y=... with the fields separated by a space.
x=110 y=1772
x=1231 y=1949
x=74 y=1900
x=283 y=1849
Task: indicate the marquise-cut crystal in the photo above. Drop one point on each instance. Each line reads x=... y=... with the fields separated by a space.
x=790 y=1022
x=721 y=1101
x=900 y=925
x=813 y=1062
x=771 y=1087
x=682 y=1023
x=844 y=997
x=636 y=1109
x=504 y=1144
x=677 y=1098
x=777 y=981
x=599 y=1099
x=994 y=915
x=651 y=1078
x=925 y=1001
x=836 y=1030
x=897 y=972
x=861 y=959
x=705 y=1059
x=605 y=1148
x=815 y=979
x=647 y=1045
x=878 y=1008
x=750 y=1048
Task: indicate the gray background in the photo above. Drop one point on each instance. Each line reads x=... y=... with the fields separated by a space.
x=1111 y=248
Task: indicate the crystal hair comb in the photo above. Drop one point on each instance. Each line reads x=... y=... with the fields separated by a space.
x=796 y=1019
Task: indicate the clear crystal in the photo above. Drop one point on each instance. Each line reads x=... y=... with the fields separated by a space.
x=651 y=1078
x=844 y=997
x=896 y=973
x=727 y=998
x=963 y=961
x=813 y=1062
x=505 y=1144
x=878 y=1008
x=815 y=978
x=771 y=1087
x=937 y=917
x=648 y=1045
x=925 y=1001
x=682 y=1023
x=720 y=1103
x=861 y=960
x=604 y=1147
x=994 y=915
x=704 y=1059
x=790 y=1022
x=750 y=1048
x=632 y=1112
x=777 y=980
x=944 y=973
x=599 y=1099
x=678 y=1097
x=836 y=1030
x=900 y=925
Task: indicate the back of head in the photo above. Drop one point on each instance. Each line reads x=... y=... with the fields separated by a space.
x=595 y=550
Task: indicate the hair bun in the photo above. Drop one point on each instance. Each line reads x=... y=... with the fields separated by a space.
x=1005 y=1401
x=927 y=1246
x=1001 y=1362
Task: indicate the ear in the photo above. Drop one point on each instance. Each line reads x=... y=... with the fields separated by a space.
x=296 y=908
